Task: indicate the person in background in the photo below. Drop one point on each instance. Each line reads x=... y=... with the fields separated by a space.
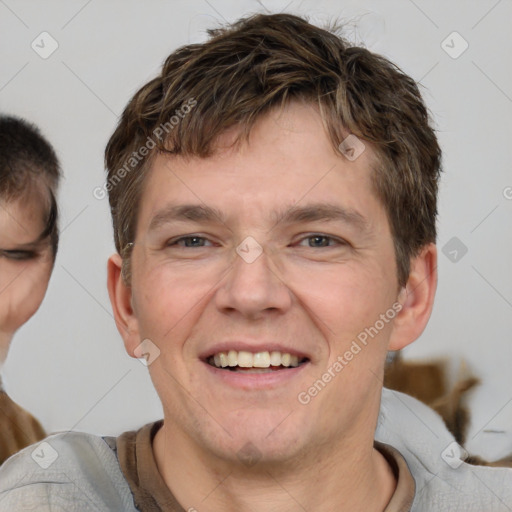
x=29 y=177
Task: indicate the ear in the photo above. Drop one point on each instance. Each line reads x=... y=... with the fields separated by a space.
x=416 y=298
x=121 y=299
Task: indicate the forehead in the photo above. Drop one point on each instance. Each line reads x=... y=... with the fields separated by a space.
x=22 y=220
x=288 y=160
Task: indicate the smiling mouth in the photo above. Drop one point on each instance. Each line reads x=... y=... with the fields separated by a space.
x=259 y=362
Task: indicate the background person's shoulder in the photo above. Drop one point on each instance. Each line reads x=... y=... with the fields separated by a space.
x=69 y=471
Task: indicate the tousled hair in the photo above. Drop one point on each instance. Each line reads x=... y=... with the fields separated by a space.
x=263 y=62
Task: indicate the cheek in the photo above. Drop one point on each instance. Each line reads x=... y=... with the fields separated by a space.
x=345 y=303
x=341 y=298
x=25 y=291
x=36 y=284
x=167 y=302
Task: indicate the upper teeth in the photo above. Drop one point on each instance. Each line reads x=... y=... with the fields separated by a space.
x=246 y=359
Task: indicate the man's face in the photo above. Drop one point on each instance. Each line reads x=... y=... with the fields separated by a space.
x=206 y=297
x=25 y=261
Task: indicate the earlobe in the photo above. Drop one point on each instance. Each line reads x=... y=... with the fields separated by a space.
x=416 y=298
x=121 y=299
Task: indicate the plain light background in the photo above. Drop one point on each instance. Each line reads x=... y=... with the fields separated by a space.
x=68 y=365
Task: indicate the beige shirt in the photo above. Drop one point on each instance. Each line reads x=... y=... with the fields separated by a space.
x=151 y=494
x=18 y=428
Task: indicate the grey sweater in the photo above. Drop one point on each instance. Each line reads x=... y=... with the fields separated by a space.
x=83 y=474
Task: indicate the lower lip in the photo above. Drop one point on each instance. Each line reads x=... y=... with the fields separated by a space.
x=243 y=380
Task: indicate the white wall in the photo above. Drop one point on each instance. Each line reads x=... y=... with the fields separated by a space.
x=68 y=365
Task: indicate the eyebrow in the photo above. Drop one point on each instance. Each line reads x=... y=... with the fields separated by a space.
x=27 y=246
x=321 y=212
x=292 y=215
x=47 y=230
x=186 y=212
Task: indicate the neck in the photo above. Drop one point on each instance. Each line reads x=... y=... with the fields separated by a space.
x=326 y=480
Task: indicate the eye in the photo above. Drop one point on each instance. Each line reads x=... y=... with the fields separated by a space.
x=19 y=255
x=189 y=242
x=318 y=241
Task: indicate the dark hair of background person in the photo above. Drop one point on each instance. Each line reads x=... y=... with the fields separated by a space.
x=27 y=163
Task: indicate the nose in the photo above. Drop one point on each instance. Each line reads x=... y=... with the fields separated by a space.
x=253 y=289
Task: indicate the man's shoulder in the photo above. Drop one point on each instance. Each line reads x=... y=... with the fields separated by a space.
x=67 y=471
x=443 y=480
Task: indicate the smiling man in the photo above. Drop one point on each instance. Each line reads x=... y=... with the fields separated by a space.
x=240 y=335
x=273 y=194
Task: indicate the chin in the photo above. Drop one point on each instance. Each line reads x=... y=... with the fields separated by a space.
x=260 y=440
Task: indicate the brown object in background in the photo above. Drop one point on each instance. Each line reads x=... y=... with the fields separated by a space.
x=18 y=428
x=475 y=460
x=451 y=408
x=426 y=381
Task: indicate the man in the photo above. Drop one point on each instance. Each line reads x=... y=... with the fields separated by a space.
x=29 y=176
x=273 y=194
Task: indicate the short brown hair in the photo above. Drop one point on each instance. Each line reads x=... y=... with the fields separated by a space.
x=262 y=62
x=27 y=162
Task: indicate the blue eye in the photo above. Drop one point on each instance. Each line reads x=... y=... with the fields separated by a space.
x=190 y=241
x=319 y=241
